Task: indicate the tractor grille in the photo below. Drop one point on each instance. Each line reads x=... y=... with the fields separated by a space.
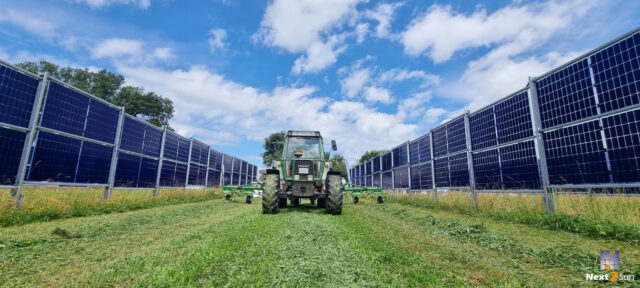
x=303 y=167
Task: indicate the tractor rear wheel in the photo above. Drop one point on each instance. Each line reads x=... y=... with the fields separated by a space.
x=227 y=197
x=283 y=202
x=380 y=200
x=248 y=200
x=356 y=200
x=269 y=197
x=334 y=187
x=321 y=202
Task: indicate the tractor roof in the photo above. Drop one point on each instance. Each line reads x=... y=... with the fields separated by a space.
x=304 y=133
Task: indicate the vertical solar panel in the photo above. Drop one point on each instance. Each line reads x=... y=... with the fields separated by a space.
x=369 y=181
x=181 y=175
x=486 y=170
x=227 y=178
x=387 y=180
x=170 y=146
x=415 y=177
x=243 y=168
x=566 y=95
x=127 y=170
x=401 y=177
x=483 y=129
x=376 y=164
x=194 y=174
x=132 y=135
x=376 y=180
x=152 y=141
x=439 y=141
x=55 y=158
x=459 y=170
x=94 y=164
x=148 y=173
x=167 y=175
x=11 y=143
x=102 y=122
x=65 y=109
x=195 y=153
x=513 y=118
x=214 y=178
x=456 y=138
x=616 y=72
x=236 y=165
x=425 y=176
x=400 y=156
x=425 y=149
x=414 y=152
x=228 y=161
x=622 y=132
x=368 y=168
x=17 y=94
x=441 y=167
x=520 y=166
x=386 y=162
x=236 y=179
x=183 y=149
x=575 y=155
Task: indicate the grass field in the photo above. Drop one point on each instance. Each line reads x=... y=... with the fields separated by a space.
x=219 y=243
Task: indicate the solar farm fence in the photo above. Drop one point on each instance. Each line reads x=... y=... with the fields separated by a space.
x=52 y=134
x=576 y=127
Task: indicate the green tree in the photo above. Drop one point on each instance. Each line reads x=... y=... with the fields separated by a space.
x=370 y=155
x=339 y=164
x=273 y=146
x=109 y=86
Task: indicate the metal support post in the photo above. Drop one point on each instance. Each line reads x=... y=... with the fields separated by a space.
x=114 y=157
x=206 y=176
x=548 y=199
x=393 y=176
x=472 y=179
x=186 y=181
x=16 y=193
x=222 y=170
x=156 y=191
x=434 y=196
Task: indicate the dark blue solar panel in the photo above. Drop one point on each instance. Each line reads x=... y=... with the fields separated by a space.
x=127 y=170
x=368 y=168
x=65 y=109
x=204 y=155
x=566 y=95
x=195 y=153
x=441 y=167
x=376 y=180
x=386 y=162
x=439 y=141
x=194 y=174
x=520 y=166
x=102 y=122
x=181 y=175
x=183 y=150
x=227 y=178
x=236 y=165
x=387 y=179
x=369 y=181
x=486 y=169
x=55 y=158
x=236 y=179
x=11 y=143
x=227 y=162
x=148 y=173
x=167 y=175
x=415 y=177
x=575 y=155
x=483 y=129
x=401 y=177
x=152 y=141
x=414 y=152
x=459 y=170
x=214 y=178
x=622 y=132
x=250 y=170
x=132 y=135
x=616 y=71
x=425 y=149
x=215 y=161
x=376 y=164
x=425 y=176
x=400 y=156
x=95 y=162
x=513 y=118
x=171 y=146
x=456 y=139
x=17 y=93
x=243 y=168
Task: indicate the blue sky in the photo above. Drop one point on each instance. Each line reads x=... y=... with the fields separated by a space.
x=369 y=74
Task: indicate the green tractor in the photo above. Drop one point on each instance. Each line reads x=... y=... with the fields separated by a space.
x=303 y=173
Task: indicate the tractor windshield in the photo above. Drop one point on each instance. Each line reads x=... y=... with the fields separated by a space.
x=309 y=146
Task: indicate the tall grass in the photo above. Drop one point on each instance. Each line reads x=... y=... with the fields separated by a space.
x=608 y=217
x=49 y=203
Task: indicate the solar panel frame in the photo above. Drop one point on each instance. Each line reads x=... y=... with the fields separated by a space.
x=376 y=179
x=168 y=173
x=439 y=135
x=520 y=166
x=376 y=164
x=482 y=126
x=456 y=137
x=414 y=151
x=55 y=158
x=441 y=166
x=622 y=134
x=386 y=162
x=401 y=177
x=17 y=95
x=513 y=118
x=459 y=170
x=148 y=173
x=94 y=163
x=65 y=109
x=425 y=176
x=387 y=179
x=152 y=141
x=486 y=170
x=127 y=170
x=133 y=132
x=425 y=148
x=214 y=178
x=415 y=177
x=101 y=122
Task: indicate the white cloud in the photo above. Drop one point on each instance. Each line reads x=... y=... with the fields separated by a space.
x=440 y=32
x=216 y=39
x=28 y=22
x=307 y=26
x=130 y=50
x=433 y=114
x=384 y=15
x=399 y=75
x=415 y=105
x=353 y=84
x=377 y=94
x=143 y=4
x=361 y=32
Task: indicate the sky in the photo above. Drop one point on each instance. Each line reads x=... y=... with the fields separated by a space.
x=368 y=74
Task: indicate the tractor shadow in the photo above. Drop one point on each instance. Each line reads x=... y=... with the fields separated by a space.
x=302 y=208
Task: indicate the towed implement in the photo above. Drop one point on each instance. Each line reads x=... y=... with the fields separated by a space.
x=359 y=191
x=241 y=190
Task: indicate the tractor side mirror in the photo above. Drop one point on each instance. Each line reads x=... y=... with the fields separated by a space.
x=334 y=146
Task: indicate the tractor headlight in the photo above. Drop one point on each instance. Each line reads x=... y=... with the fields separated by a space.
x=296 y=177
x=310 y=177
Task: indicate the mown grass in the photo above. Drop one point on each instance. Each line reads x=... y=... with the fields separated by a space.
x=46 y=204
x=605 y=217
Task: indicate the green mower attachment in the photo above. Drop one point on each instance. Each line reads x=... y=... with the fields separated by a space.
x=359 y=191
x=240 y=190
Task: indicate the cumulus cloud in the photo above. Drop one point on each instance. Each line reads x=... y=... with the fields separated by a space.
x=129 y=50
x=432 y=115
x=355 y=81
x=377 y=94
x=383 y=14
x=216 y=40
x=27 y=21
x=143 y=4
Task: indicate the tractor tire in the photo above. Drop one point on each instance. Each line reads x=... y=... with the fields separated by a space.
x=334 y=188
x=282 y=202
x=356 y=200
x=269 y=196
x=380 y=200
x=322 y=202
x=313 y=201
x=248 y=200
x=227 y=197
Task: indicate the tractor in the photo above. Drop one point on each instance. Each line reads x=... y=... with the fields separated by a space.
x=303 y=173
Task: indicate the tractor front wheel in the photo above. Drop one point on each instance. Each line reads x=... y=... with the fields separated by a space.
x=380 y=200
x=248 y=200
x=227 y=197
x=334 y=187
x=283 y=202
x=269 y=196
x=356 y=200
